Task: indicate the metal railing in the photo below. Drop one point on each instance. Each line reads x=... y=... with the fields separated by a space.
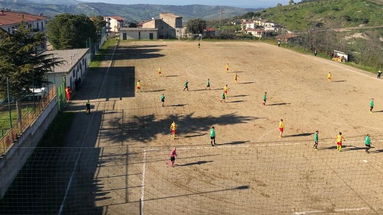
x=11 y=136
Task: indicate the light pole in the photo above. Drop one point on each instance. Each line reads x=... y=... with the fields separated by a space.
x=9 y=104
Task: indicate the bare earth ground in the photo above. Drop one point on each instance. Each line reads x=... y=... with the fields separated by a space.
x=251 y=170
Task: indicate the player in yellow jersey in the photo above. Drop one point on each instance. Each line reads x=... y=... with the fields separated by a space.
x=225 y=90
x=281 y=127
x=173 y=128
x=236 y=78
x=227 y=67
x=138 y=86
x=339 y=141
x=329 y=76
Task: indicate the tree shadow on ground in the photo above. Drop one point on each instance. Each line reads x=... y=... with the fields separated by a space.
x=137 y=52
x=195 y=163
x=146 y=128
x=123 y=78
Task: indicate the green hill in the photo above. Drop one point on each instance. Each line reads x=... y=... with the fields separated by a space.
x=326 y=14
x=135 y=12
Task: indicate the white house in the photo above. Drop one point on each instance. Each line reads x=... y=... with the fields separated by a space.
x=138 y=34
x=74 y=68
x=259 y=23
x=114 y=23
x=259 y=33
x=10 y=21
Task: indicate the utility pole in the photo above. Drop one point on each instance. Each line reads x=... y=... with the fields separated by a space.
x=9 y=105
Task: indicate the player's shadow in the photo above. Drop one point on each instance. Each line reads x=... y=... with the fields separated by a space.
x=236 y=101
x=195 y=135
x=299 y=135
x=353 y=148
x=248 y=82
x=171 y=76
x=378 y=111
x=237 y=72
x=233 y=143
x=339 y=81
x=239 y=96
x=153 y=91
x=377 y=151
x=176 y=105
x=195 y=163
x=278 y=104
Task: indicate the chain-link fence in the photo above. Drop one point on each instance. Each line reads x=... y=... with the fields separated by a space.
x=226 y=179
x=31 y=108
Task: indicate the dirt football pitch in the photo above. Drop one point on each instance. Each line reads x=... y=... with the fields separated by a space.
x=251 y=170
x=118 y=157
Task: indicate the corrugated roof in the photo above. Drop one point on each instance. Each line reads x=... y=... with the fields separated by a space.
x=11 y=17
x=69 y=56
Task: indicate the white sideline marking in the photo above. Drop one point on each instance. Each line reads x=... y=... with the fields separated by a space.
x=86 y=134
x=143 y=182
x=336 y=210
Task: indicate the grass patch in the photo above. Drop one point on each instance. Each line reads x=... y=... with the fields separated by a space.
x=58 y=130
x=4 y=119
x=100 y=55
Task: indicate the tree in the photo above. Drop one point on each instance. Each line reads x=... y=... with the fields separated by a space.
x=291 y=2
x=22 y=64
x=67 y=31
x=99 y=23
x=196 y=26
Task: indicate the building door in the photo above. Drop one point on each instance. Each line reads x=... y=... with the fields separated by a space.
x=151 y=36
x=124 y=36
x=139 y=35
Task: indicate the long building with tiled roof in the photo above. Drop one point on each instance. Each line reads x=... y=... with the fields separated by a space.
x=10 y=20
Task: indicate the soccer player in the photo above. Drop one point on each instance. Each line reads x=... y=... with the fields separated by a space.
x=379 y=74
x=138 y=86
x=372 y=104
x=316 y=139
x=87 y=105
x=236 y=78
x=199 y=45
x=281 y=127
x=367 y=142
x=173 y=155
x=208 y=84
x=186 y=85
x=227 y=67
x=159 y=71
x=223 y=97
x=225 y=90
x=173 y=128
x=163 y=100
x=329 y=76
x=212 y=136
x=264 y=98
x=339 y=141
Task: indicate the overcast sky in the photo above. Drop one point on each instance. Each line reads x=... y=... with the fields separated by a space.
x=236 y=3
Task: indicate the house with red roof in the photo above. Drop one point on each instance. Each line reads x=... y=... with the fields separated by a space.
x=114 y=23
x=11 y=20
